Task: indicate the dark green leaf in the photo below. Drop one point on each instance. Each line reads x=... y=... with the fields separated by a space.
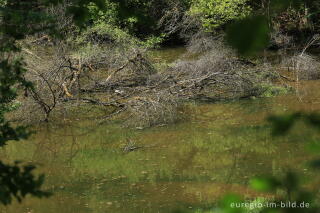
x=264 y=184
x=228 y=204
x=315 y=164
x=249 y=35
x=282 y=124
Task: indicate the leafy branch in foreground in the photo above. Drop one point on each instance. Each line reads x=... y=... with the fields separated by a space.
x=18 y=20
x=249 y=36
x=291 y=196
x=18 y=181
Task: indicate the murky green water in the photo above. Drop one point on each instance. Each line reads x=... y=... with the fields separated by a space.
x=190 y=164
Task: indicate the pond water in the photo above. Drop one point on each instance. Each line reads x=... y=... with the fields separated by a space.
x=216 y=149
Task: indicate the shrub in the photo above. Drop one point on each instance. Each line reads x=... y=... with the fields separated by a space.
x=216 y=13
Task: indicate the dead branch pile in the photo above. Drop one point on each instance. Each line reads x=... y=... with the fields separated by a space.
x=128 y=82
x=52 y=76
x=60 y=75
x=56 y=75
x=217 y=75
x=134 y=72
x=303 y=66
x=152 y=108
x=202 y=42
x=280 y=40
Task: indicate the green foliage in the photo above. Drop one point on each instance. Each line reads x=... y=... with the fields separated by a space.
x=291 y=192
x=270 y=90
x=111 y=34
x=290 y=184
x=12 y=74
x=154 y=41
x=264 y=184
x=104 y=32
x=216 y=13
x=254 y=38
x=138 y=18
x=254 y=206
x=249 y=35
x=134 y=16
x=108 y=16
x=228 y=201
x=17 y=181
x=282 y=124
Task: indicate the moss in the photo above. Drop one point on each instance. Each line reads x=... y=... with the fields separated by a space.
x=271 y=90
